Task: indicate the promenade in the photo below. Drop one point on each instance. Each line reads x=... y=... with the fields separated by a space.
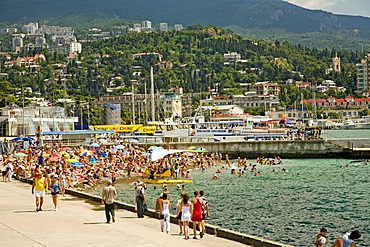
x=79 y=222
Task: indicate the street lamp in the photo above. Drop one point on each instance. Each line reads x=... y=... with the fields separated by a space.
x=133 y=83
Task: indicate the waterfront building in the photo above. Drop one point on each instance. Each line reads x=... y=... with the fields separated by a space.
x=261 y=94
x=166 y=105
x=348 y=102
x=15 y=120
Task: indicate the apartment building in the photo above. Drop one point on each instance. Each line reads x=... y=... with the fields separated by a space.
x=363 y=74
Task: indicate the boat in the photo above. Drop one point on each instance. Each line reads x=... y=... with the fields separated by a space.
x=165 y=174
x=168 y=181
x=363 y=123
x=347 y=124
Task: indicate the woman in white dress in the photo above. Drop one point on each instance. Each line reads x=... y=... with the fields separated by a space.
x=166 y=206
x=186 y=213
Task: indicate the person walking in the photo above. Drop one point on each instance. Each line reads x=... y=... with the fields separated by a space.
x=108 y=194
x=348 y=239
x=140 y=199
x=186 y=208
x=178 y=212
x=55 y=190
x=320 y=238
x=205 y=211
x=10 y=171
x=197 y=214
x=40 y=184
x=4 y=173
x=166 y=206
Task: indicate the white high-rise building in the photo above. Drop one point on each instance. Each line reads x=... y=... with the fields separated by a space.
x=137 y=27
x=163 y=26
x=178 y=27
x=75 y=47
x=17 y=42
x=31 y=28
x=363 y=74
x=146 y=25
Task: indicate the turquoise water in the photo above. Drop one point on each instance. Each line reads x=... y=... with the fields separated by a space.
x=337 y=134
x=285 y=207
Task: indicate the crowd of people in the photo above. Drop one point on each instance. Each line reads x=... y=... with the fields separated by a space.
x=55 y=167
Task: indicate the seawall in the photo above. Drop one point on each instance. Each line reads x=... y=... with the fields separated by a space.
x=285 y=149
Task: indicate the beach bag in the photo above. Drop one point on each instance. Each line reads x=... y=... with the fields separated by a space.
x=145 y=207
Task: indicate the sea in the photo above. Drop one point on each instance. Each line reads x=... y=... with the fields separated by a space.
x=287 y=207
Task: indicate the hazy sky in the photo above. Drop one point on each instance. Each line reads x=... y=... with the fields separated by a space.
x=349 y=7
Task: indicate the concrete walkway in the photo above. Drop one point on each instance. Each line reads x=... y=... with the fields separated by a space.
x=78 y=222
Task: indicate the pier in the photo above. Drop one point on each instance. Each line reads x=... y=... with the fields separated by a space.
x=319 y=148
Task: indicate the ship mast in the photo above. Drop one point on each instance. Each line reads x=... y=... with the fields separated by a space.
x=314 y=114
x=152 y=93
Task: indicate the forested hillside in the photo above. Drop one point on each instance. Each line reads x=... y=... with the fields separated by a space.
x=267 y=19
x=197 y=64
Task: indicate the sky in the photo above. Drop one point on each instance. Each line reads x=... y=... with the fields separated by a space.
x=348 y=7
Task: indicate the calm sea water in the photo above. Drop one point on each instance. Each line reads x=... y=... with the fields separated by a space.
x=346 y=134
x=286 y=207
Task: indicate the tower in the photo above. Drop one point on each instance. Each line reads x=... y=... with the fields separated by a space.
x=336 y=63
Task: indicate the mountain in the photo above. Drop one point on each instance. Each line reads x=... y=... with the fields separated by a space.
x=277 y=17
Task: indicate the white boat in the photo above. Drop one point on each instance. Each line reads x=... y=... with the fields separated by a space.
x=347 y=124
x=363 y=123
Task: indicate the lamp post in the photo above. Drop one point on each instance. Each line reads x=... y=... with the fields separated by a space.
x=24 y=127
x=133 y=100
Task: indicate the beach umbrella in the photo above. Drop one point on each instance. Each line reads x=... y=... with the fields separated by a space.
x=191 y=148
x=103 y=154
x=24 y=138
x=145 y=154
x=66 y=149
x=64 y=153
x=201 y=150
x=72 y=160
x=119 y=147
x=17 y=155
x=95 y=145
x=76 y=164
x=188 y=153
x=133 y=141
x=93 y=160
x=55 y=156
x=86 y=153
x=103 y=141
x=152 y=148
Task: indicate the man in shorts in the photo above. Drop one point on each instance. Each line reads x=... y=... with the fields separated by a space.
x=38 y=187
